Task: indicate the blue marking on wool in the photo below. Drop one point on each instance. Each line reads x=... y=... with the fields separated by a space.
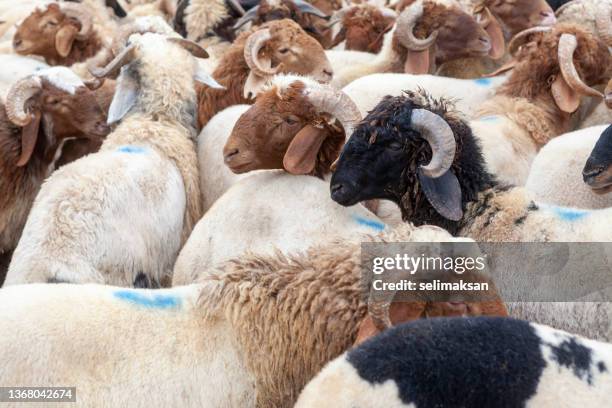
x=132 y=149
x=569 y=214
x=491 y=118
x=155 y=301
x=482 y=81
x=376 y=225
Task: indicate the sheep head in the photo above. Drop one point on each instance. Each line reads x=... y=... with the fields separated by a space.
x=415 y=151
x=518 y=15
x=363 y=26
x=428 y=33
x=283 y=47
x=292 y=126
x=54 y=102
x=147 y=58
x=51 y=32
x=597 y=172
x=560 y=63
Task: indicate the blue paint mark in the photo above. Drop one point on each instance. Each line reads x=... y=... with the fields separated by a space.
x=483 y=81
x=155 y=301
x=132 y=149
x=491 y=118
x=377 y=225
x=569 y=214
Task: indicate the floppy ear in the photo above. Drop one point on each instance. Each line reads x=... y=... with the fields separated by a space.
x=29 y=135
x=498 y=43
x=443 y=193
x=64 y=39
x=301 y=156
x=202 y=76
x=418 y=62
x=565 y=97
x=253 y=85
x=124 y=98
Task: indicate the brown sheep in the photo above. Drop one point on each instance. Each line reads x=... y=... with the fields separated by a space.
x=279 y=46
x=63 y=34
x=363 y=27
x=41 y=112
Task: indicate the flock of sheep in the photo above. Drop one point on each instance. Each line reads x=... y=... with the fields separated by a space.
x=185 y=184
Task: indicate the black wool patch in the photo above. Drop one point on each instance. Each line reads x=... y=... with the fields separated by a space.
x=456 y=362
x=575 y=357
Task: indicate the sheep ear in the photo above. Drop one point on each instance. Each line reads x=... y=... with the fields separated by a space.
x=341 y=36
x=29 y=135
x=253 y=85
x=64 y=39
x=301 y=156
x=124 y=98
x=498 y=43
x=444 y=194
x=202 y=76
x=565 y=97
x=417 y=62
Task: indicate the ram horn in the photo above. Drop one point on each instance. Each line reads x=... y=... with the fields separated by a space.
x=520 y=38
x=18 y=96
x=248 y=16
x=388 y=13
x=567 y=5
x=405 y=29
x=603 y=22
x=338 y=16
x=251 y=53
x=78 y=12
x=125 y=57
x=485 y=17
x=308 y=8
x=193 y=48
x=336 y=103
x=434 y=129
x=567 y=45
x=236 y=6
x=379 y=312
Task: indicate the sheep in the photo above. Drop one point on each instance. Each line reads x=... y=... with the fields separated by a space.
x=299 y=11
x=276 y=47
x=385 y=159
x=539 y=98
x=556 y=173
x=252 y=334
x=42 y=111
x=64 y=33
x=474 y=362
x=139 y=197
x=405 y=49
x=196 y=20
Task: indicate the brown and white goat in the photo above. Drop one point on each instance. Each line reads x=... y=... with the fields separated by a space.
x=42 y=111
x=280 y=46
x=63 y=34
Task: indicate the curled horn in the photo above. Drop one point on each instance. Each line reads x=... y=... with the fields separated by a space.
x=125 y=57
x=405 y=27
x=251 y=53
x=520 y=38
x=17 y=97
x=379 y=312
x=248 y=16
x=485 y=17
x=439 y=135
x=603 y=22
x=236 y=6
x=336 y=103
x=308 y=8
x=567 y=45
x=190 y=46
x=338 y=16
x=77 y=12
x=567 y=5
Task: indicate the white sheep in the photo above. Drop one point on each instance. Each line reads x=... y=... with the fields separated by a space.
x=123 y=213
x=556 y=172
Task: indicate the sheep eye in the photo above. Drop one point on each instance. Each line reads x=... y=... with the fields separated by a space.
x=290 y=120
x=396 y=146
x=51 y=24
x=53 y=101
x=283 y=50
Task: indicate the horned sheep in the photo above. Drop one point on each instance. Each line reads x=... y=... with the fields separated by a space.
x=139 y=197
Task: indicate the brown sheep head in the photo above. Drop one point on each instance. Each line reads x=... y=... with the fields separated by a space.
x=57 y=104
x=291 y=126
x=428 y=33
x=518 y=15
x=283 y=47
x=363 y=26
x=52 y=33
x=557 y=66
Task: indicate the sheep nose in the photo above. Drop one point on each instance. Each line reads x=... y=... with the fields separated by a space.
x=486 y=43
x=548 y=18
x=457 y=308
x=589 y=175
x=17 y=42
x=342 y=193
x=328 y=72
x=227 y=158
x=102 y=127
